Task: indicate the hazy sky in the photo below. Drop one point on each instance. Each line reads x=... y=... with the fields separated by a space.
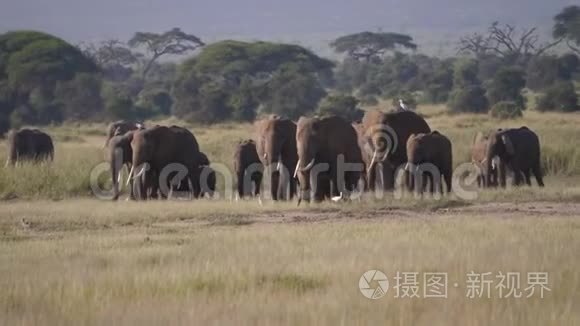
x=76 y=20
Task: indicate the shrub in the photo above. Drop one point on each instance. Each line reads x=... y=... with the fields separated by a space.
x=468 y=99
x=506 y=110
x=559 y=97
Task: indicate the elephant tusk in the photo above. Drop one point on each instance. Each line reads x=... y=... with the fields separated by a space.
x=374 y=159
x=130 y=175
x=279 y=166
x=384 y=158
x=308 y=167
x=140 y=173
x=119 y=178
x=296 y=170
x=408 y=167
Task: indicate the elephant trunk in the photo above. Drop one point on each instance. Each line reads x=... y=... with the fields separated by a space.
x=313 y=185
x=12 y=156
x=116 y=166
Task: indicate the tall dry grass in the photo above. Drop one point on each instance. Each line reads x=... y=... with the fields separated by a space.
x=79 y=149
x=90 y=263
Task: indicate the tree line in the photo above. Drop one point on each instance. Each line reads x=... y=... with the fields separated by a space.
x=45 y=80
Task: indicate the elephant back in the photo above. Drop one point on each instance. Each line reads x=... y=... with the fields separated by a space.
x=398 y=125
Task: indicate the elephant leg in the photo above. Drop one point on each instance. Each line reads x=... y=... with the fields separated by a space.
x=448 y=181
x=284 y=184
x=517 y=181
x=388 y=177
x=274 y=181
x=527 y=174
x=293 y=187
x=258 y=185
x=371 y=179
x=537 y=171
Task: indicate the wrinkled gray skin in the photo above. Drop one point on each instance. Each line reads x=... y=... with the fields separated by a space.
x=248 y=168
x=120 y=154
x=121 y=127
x=518 y=150
x=479 y=155
x=380 y=128
x=30 y=145
x=157 y=147
x=433 y=148
x=275 y=139
x=321 y=141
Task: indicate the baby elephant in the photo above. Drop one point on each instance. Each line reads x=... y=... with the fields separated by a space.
x=429 y=157
x=29 y=145
x=249 y=169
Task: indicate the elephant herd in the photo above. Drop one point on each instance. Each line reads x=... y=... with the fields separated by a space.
x=154 y=154
x=309 y=158
x=315 y=158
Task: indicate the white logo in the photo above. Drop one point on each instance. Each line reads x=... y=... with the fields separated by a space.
x=379 y=282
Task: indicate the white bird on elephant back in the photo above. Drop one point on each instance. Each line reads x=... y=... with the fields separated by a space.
x=403 y=106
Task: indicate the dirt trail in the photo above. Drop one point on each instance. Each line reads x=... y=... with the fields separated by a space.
x=492 y=210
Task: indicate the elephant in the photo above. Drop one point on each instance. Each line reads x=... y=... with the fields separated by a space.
x=207 y=187
x=154 y=149
x=121 y=127
x=479 y=159
x=365 y=146
x=207 y=184
x=331 y=140
x=518 y=150
x=275 y=139
x=387 y=134
x=29 y=145
x=436 y=150
x=248 y=168
x=120 y=154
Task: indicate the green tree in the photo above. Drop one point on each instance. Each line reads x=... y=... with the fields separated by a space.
x=467 y=95
x=121 y=108
x=507 y=85
x=157 y=101
x=282 y=78
x=114 y=58
x=559 y=97
x=80 y=98
x=172 y=42
x=544 y=71
x=32 y=64
x=292 y=94
x=368 y=46
x=567 y=25
x=345 y=106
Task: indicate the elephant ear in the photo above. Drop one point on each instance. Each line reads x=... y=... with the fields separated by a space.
x=509 y=146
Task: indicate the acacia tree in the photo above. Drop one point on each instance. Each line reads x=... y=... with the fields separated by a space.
x=567 y=26
x=505 y=41
x=232 y=79
x=172 y=42
x=368 y=45
x=114 y=58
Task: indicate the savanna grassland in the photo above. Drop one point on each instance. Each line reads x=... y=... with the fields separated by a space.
x=67 y=258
